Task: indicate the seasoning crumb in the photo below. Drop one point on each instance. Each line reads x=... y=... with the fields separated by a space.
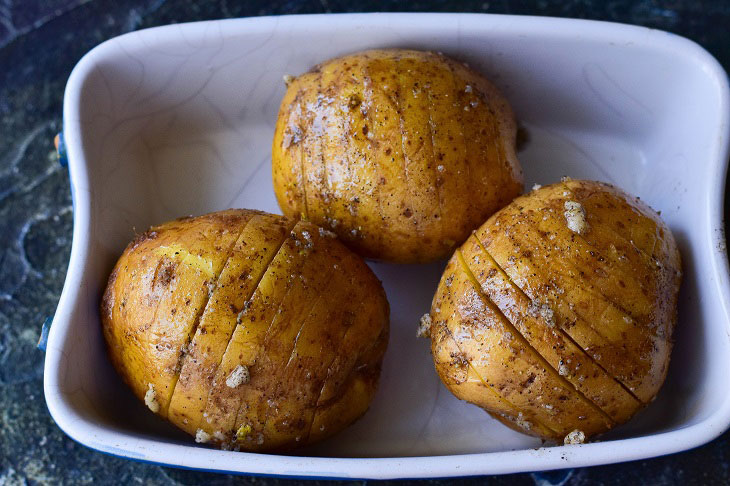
x=219 y=435
x=326 y=233
x=202 y=437
x=440 y=168
x=288 y=79
x=575 y=437
x=535 y=309
x=424 y=326
x=535 y=187
x=522 y=423
x=240 y=375
x=575 y=216
x=150 y=399
x=563 y=369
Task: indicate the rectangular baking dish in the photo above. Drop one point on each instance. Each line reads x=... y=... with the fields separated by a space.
x=178 y=120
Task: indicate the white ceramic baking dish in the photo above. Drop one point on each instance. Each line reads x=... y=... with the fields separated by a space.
x=178 y=120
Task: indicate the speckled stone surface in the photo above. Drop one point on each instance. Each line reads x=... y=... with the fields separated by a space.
x=40 y=42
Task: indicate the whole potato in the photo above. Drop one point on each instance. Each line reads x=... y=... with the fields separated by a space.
x=556 y=316
x=248 y=330
x=401 y=153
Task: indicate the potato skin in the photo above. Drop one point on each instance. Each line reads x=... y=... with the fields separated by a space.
x=247 y=329
x=401 y=153
x=553 y=326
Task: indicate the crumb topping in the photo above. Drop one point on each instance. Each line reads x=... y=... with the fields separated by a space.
x=535 y=309
x=575 y=437
x=326 y=233
x=150 y=399
x=202 y=437
x=575 y=216
x=424 y=326
x=240 y=375
x=535 y=187
x=288 y=79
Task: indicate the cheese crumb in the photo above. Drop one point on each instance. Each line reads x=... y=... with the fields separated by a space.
x=150 y=399
x=288 y=79
x=575 y=215
x=575 y=437
x=522 y=423
x=563 y=369
x=239 y=375
x=535 y=309
x=326 y=233
x=219 y=435
x=424 y=326
x=202 y=437
x=535 y=187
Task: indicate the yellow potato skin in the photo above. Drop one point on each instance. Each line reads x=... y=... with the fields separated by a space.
x=401 y=153
x=592 y=311
x=305 y=316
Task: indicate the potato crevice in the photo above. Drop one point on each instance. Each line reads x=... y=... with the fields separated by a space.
x=557 y=347
x=202 y=364
x=400 y=135
x=518 y=334
x=191 y=332
x=572 y=328
x=581 y=324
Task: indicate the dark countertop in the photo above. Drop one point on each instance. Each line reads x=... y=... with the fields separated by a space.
x=40 y=42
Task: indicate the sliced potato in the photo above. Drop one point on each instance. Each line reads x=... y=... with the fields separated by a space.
x=246 y=287
x=402 y=152
x=567 y=303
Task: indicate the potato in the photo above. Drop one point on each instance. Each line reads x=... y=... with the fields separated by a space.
x=401 y=153
x=247 y=330
x=556 y=315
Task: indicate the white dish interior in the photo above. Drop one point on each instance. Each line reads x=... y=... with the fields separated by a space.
x=178 y=120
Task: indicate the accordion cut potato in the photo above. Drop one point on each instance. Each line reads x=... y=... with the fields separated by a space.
x=556 y=316
x=248 y=330
x=401 y=153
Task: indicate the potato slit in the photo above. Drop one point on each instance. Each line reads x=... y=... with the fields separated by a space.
x=305 y=318
x=594 y=289
x=558 y=329
x=649 y=258
x=279 y=306
x=589 y=288
x=199 y=314
x=468 y=178
x=532 y=417
x=199 y=365
x=323 y=159
x=295 y=269
x=368 y=102
x=566 y=315
x=302 y=172
x=401 y=121
x=316 y=397
x=254 y=287
x=439 y=196
x=548 y=367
